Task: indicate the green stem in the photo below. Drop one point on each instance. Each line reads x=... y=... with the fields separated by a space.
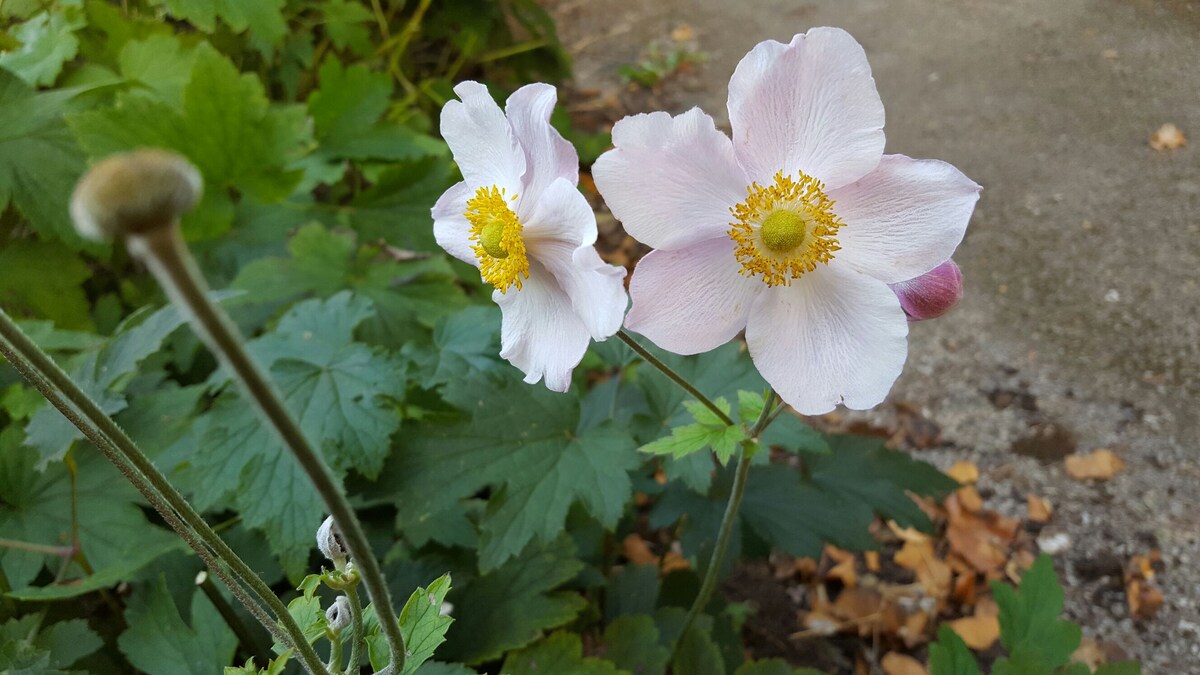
x=165 y=253
x=674 y=376
x=709 y=583
x=60 y=551
x=48 y=378
x=245 y=636
x=356 y=630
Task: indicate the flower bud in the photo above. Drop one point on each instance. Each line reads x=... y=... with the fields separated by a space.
x=331 y=543
x=134 y=192
x=932 y=294
x=338 y=614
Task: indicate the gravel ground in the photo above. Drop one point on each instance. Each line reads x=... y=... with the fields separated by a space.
x=1080 y=327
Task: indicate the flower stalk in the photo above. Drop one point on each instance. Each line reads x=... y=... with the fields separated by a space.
x=61 y=391
x=741 y=478
x=673 y=376
x=141 y=196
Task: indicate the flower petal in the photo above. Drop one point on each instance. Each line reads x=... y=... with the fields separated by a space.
x=539 y=331
x=691 y=300
x=450 y=226
x=904 y=218
x=548 y=155
x=481 y=139
x=834 y=336
x=932 y=294
x=596 y=289
x=561 y=213
x=809 y=106
x=671 y=180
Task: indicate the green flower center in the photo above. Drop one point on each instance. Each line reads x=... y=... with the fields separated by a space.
x=491 y=237
x=783 y=231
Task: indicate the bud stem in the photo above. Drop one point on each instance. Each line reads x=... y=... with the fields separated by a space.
x=356 y=629
x=673 y=376
x=61 y=391
x=165 y=253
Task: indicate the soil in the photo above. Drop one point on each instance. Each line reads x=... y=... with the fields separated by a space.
x=1079 y=328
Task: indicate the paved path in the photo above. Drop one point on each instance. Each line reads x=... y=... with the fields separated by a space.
x=1081 y=324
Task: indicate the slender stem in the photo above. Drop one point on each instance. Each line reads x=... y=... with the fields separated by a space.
x=709 y=583
x=674 y=376
x=335 y=652
x=381 y=19
x=167 y=256
x=356 y=630
x=48 y=378
x=244 y=635
x=60 y=551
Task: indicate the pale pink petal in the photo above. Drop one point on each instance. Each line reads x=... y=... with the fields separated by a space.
x=691 y=300
x=539 y=331
x=548 y=156
x=932 y=294
x=834 y=336
x=671 y=180
x=560 y=214
x=809 y=106
x=904 y=218
x=596 y=289
x=481 y=139
x=450 y=226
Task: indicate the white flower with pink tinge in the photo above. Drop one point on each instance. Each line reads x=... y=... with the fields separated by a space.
x=792 y=231
x=518 y=217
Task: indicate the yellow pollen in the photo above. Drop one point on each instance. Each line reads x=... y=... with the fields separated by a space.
x=784 y=229
x=496 y=239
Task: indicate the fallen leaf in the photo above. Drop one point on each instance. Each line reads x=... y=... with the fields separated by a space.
x=907 y=533
x=1039 y=509
x=982 y=540
x=821 y=623
x=970 y=499
x=964 y=472
x=933 y=573
x=872 y=560
x=1168 y=137
x=638 y=551
x=1144 y=598
x=987 y=607
x=895 y=663
x=683 y=33
x=979 y=632
x=964 y=588
x=913 y=630
x=1089 y=653
x=1100 y=464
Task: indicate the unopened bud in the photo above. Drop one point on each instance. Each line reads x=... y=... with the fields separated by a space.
x=338 y=614
x=134 y=192
x=331 y=543
x=932 y=294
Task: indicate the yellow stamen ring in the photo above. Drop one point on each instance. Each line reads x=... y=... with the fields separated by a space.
x=783 y=229
x=496 y=239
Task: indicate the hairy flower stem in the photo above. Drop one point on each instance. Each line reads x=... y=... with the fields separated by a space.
x=246 y=638
x=709 y=584
x=356 y=629
x=48 y=378
x=165 y=253
x=673 y=376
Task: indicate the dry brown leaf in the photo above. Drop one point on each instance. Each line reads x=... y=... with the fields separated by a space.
x=674 y=561
x=821 y=623
x=683 y=33
x=964 y=472
x=979 y=632
x=1039 y=509
x=872 y=560
x=933 y=573
x=638 y=551
x=987 y=607
x=1144 y=598
x=1168 y=137
x=1089 y=653
x=970 y=499
x=907 y=533
x=964 y=588
x=982 y=540
x=895 y=663
x=913 y=630
x=1100 y=464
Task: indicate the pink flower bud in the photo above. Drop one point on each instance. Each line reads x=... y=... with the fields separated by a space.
x=932 y=294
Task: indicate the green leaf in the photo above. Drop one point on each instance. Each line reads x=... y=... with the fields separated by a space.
x=632 y=642
x=159 y=642
x=1119 y=668
x=274 y=667
x=510 y=607
x=36 y=507
x=161 y=65
x=950 y=655
x=421 y=623
x=53 y=646
x=632 y=589
x=226 y=127
x=26 y=288
x=306 y=610
x=708 y=431
x=396 y=208
x=263 y=18
x=47 y=42
x=438 y=668
x=346 y=110
x=562 y=652
x=31 y=126
x=527 y=440
x=773 y=667
x=698 y=655
x=341 y=393
x=1029 y=625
